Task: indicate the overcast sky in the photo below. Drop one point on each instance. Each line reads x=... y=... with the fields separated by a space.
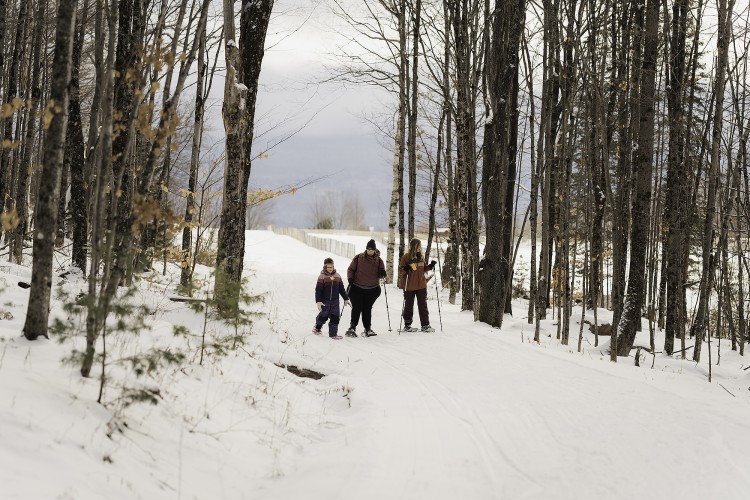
x=337 y=143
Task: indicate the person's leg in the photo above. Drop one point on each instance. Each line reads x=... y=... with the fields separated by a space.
x=322 y=317
x=333 y=326
x=424 y=314
x=355 y=297
x=408 y=308
x=370 y=298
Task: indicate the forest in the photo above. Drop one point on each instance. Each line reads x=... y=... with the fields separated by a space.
x=613 y=134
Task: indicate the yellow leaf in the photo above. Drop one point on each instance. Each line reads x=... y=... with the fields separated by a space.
x=9 y=220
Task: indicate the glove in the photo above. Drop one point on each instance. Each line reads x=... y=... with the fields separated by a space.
x=348 y=303
x=382 y=273
x=350 y=281
x=432 y=265
x=320 y=306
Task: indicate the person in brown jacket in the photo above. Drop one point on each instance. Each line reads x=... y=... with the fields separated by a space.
x=364 y=275
x=412 y=268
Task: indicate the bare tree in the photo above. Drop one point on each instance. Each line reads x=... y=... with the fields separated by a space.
x=240 y=95
x=37 y=313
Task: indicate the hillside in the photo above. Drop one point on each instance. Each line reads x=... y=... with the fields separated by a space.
x=468 y=412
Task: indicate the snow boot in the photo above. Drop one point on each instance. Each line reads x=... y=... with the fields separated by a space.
x=316 y=330
x=335 y=337
x=350 y=332
x=428 y=329
x=369 y=333
x=409 y=328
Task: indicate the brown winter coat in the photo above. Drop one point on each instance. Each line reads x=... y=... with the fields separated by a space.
x=364 y=271
x=416 y=279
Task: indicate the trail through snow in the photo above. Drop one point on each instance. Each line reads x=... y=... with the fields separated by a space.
x=475 y=413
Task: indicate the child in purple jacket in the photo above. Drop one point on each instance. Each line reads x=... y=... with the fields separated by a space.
x=327 y=290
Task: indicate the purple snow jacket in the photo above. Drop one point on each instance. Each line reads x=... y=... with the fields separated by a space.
x=327 y=290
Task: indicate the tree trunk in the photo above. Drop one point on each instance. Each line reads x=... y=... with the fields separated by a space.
x=4 y=174
x=631 y=313
x=412 y=141
x=22 y=182
x=498 y=173
x=240 y=94
x=676 y=184
x=37 y=313
x=190 y=207
x=75 y=156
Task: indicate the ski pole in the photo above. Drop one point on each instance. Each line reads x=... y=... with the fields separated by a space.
x=387 y=311
x=348 y=287
x=440 y=269
x=403 y=303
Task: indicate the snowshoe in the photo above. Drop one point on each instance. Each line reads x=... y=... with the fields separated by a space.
x=317 y=331
x=408 y=329
x=335 y=337
x=350 y=332
x=369 y=333
x=428 y=329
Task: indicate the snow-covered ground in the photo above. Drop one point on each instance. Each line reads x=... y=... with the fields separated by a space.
x=468 y=412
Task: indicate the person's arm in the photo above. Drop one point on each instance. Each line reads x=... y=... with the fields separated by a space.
x=352 y=270
x=381 y=269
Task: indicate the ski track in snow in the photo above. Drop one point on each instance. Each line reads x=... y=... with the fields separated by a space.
x=521 y=423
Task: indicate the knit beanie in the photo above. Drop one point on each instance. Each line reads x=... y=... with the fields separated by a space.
x=371 y=245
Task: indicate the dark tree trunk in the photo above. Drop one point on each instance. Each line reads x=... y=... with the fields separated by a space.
x=465 y=185
x=412 y=142
x=246 y=64
x=4 y=174
x=709 y=263
x=75 y=157
x=37 y=314
x=499 y=171
x=674 y=208
x=621 y=209
x=643 y=169
x=22 y=182
x=12 y=98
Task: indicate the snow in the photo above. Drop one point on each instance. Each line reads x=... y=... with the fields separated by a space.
x=468 y=412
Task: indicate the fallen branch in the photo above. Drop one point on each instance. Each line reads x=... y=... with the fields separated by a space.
x=185 y=299
x=681 y=350
x=728 y=391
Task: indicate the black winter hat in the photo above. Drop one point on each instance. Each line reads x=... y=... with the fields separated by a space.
x=371 y=245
